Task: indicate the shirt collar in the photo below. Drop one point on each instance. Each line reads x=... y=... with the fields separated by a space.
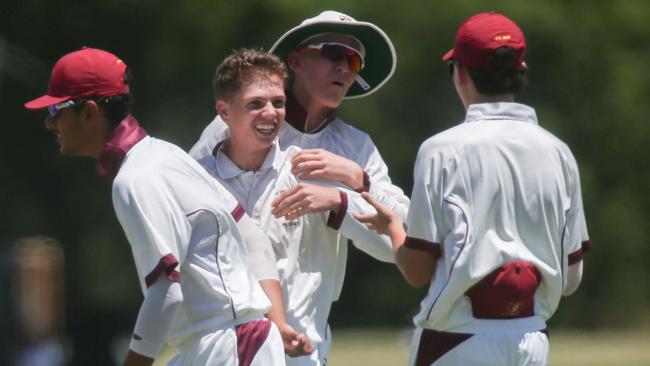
x=227 y=169
x=297 y=115
x=500 y=111
x=122 y=139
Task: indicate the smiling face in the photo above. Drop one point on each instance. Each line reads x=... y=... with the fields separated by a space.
x=323 y=81
x=254 y=113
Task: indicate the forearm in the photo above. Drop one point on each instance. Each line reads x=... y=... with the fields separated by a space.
x=417 y=266
x=357 y=179
x=273 y=291
x=136 y=359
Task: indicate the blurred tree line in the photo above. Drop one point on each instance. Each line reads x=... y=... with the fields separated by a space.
x=589 y=82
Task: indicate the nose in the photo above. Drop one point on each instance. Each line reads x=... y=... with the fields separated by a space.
x=50 y=122
x=342 y=65
x=270 y=111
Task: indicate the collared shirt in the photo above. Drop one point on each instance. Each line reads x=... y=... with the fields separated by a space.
x=312 y=249
x=495 y=189
x=159 y=194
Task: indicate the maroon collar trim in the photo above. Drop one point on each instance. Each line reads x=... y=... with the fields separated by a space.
x=297 y=115
x=124 y=137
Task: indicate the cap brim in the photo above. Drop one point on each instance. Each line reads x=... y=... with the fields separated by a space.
x=44 y=102
x=380 y=58
x=449 y=55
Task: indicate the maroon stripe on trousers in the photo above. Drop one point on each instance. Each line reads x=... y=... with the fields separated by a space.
x=435 y=344
x=250 y=337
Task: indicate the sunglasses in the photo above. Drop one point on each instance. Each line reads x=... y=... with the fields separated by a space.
x=336 y=52
x=55 y=109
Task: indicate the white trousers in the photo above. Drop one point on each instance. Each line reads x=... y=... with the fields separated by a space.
x=512 y=349
x=220 y=348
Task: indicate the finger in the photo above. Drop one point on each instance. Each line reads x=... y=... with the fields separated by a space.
x=317 y=151
x=374 y=202
x=308 y=347
x=283 y=198
x=307 y=166
x=290 y=206
x=304 y=156
x=364 y=218
x=295 y=213
x=313 y=174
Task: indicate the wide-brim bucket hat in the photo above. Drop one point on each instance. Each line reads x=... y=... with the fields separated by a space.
x=380 y=58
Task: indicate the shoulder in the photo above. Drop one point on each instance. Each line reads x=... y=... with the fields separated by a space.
x=344 y=129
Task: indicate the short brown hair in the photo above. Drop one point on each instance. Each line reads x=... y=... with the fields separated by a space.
x=241 y=66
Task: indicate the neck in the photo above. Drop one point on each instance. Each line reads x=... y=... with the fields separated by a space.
x=98 y=139
x=476 y=98
x=316 y=111
x=244 y=158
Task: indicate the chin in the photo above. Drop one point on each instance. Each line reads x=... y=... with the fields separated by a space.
x=332 y=102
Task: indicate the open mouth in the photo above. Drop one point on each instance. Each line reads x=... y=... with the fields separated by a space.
x=266 y=128
x=338 y=83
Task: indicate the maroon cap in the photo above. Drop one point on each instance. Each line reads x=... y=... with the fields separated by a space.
x=506 y=293
x=89 y=72
x=481 y=34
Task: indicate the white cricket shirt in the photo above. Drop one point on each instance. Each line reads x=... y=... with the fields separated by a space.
x=494 y=189
x=158 y=194
x=312 y=249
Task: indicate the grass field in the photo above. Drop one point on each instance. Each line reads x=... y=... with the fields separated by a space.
x=391 y=347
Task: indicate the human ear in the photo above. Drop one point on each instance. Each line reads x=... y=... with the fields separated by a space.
x=223 y=110
x=463 y=74
x=294 y=62
x=91 y=109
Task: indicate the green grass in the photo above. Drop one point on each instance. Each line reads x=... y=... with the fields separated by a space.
x=390 y=347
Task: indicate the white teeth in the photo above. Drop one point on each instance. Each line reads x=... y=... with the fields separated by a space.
x=266 y=127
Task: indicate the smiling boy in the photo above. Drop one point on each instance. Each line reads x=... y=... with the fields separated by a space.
x=310 y=239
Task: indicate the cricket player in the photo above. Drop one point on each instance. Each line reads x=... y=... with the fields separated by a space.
x=496 y=223
x=183 y=227
x=310 y=239
x=330 y=57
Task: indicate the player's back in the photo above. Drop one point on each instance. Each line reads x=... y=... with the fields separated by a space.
x=505 y=186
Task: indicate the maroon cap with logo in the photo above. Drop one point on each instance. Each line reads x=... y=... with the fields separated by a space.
x=481 y=34
x=506 y=293
x=89 y=72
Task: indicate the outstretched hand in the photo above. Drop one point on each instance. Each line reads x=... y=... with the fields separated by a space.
x=295 y=344
x=382 y=220
x=322 y=164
